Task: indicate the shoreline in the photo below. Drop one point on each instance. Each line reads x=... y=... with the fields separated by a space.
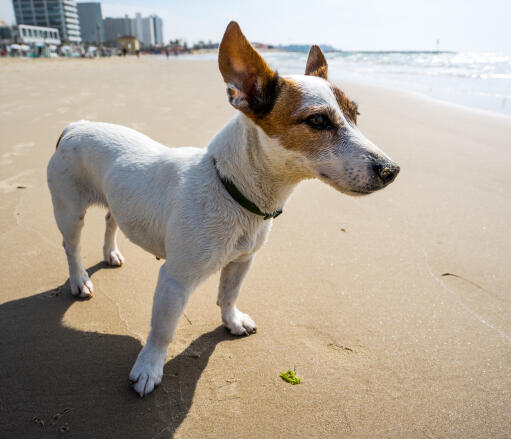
x=199 y=57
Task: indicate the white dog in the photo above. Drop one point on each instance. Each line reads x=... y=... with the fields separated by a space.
x=208 y=209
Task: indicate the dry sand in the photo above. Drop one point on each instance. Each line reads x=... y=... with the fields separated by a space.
x=351 y=291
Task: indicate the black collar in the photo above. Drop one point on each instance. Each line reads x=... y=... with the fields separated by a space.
x=235 y=193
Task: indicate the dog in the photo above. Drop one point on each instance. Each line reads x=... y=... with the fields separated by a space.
x=204 y=210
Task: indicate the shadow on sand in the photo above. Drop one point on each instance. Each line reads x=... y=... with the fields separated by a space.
x=61 y=382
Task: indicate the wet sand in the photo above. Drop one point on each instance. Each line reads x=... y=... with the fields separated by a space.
x=394 y=308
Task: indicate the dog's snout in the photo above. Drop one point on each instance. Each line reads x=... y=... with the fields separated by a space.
x=387 y=171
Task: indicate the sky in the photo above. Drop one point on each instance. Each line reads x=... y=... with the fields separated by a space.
x=461 y=25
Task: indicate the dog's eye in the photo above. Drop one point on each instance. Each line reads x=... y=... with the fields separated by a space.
x=319 y=121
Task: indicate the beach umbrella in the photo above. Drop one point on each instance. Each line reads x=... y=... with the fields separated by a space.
x=24 y=47
x=14 y=47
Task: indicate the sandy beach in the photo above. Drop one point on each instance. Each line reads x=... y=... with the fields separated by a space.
x=395 y=308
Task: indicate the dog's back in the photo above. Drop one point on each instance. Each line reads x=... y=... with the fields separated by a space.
x=123 y=170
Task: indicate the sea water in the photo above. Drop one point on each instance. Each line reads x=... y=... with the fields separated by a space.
x=480 y=80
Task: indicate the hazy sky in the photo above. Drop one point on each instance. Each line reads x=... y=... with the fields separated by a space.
x=470 y=25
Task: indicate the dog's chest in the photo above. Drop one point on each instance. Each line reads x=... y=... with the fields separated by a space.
x=251 y=240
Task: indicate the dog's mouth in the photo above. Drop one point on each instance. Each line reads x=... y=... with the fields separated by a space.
x=325 y=178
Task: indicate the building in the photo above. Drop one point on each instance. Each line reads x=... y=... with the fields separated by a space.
x=117 y=27
x=37 y=35
x=147 y=32
x=130 y=43
x=59 y=14
x=158 y=30
x=91 y=22
x=137 y=26
x=5 y=32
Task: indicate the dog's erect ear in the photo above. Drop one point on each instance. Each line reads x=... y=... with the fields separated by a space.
x=316 y=63
x=251 y=85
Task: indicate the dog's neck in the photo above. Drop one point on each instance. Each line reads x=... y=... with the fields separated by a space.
x=264 y=172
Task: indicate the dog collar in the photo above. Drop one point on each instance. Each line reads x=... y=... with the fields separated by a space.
x=243 y=201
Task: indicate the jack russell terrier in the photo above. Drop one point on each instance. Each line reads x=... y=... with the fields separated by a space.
x=204 y=210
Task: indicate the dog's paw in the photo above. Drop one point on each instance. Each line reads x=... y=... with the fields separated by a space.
x=238 y=322
x=147 y=372
x=82 y=286
x=114 y=257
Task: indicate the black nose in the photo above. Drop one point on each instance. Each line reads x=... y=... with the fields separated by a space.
x=387 y=171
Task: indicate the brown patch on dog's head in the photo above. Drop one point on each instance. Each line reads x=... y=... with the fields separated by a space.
x=348 y=107
x=283 y=107
x=288 y=124
x=252 y=85
x=310 y=121
x=316 y=63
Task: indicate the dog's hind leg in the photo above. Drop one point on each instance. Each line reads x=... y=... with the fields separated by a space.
x=70 y=223
x=230 y=284
x=110 y=250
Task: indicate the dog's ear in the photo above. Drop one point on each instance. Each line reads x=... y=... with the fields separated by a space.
x=252 y=86
x=316 y=63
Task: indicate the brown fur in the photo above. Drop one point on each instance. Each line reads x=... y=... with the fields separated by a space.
x=241 y=66
x=284 y=124
x=271 y=101
x=316 y=63
x=348 y=107
x=290 y=128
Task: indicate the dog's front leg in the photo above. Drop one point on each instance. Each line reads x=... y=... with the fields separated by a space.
x=169 y=302
x=230 y=284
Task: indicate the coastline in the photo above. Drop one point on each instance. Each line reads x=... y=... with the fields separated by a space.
x=394 y=308
x=445 y=95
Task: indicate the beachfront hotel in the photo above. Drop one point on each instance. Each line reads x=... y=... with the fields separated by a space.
x=38 y=35
x=117 y=27
x=158 y=29
x=91 y=22
x=59 y=14
x=148 y=30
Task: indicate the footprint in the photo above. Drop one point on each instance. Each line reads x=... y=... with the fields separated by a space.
x=16 y=150
x=15 y=182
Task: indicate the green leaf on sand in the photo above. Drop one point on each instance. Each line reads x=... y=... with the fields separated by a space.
x=290 y=377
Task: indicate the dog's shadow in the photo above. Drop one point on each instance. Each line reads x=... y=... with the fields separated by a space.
x=57 y=380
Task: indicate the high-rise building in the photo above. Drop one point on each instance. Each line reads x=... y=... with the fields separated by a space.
x=147 y=32
x=158 y=29
x=91 y=22
x=118 y=27
x=137 y=26
x=59 y=14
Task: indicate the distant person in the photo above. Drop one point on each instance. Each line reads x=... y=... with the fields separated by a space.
x=124 y=51
x=167 y=52
x=138 y=53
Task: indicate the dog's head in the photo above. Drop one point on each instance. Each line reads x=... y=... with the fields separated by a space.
x=309 y=117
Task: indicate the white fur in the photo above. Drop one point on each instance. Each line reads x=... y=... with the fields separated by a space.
x=172 y=203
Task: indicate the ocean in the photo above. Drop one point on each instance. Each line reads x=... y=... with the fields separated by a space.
x=479 y=80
